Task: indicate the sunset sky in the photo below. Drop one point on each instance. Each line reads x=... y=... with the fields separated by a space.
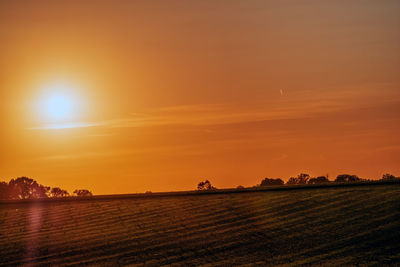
x=159 y=95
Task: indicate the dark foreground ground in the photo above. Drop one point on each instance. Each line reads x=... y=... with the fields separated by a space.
x=318 y=226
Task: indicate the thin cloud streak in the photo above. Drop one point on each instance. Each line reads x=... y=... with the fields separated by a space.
x=64 y=126
x=304 y=105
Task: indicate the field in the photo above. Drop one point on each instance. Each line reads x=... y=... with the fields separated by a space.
x=317 y=226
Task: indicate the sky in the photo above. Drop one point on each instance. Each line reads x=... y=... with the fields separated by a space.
x=160 y=95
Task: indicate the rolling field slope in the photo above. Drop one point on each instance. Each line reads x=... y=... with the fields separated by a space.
x=319 y=226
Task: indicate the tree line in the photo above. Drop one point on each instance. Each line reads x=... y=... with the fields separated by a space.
x=27 y=188
x=303 y=179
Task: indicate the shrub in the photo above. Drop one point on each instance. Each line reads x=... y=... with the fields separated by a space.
x=271 y=182
x=302 y=178
x=206 y=185
x=347 y=178
x=318 y=180
x=58 y=192
x=388 y=176
x=83 y=193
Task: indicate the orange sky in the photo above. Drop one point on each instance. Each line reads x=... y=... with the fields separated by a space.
x=173 y=92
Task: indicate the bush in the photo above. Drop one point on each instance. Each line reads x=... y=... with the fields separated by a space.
x=302 y=178
x=318 y=180
x=206 y=185
x=58 y=192
x=388 y=176
x=83 y=193
x=347 y=178
x=271 y=182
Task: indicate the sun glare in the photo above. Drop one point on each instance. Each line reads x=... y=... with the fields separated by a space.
x=58 y=106
x=59 y=103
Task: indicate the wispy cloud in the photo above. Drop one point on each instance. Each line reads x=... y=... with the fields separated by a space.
x=297 y=105
x=65 y=126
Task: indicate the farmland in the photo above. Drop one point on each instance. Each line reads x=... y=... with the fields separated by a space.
x=309 y=226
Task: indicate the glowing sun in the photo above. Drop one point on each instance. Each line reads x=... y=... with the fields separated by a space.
x=58 y=106
x=59 y=103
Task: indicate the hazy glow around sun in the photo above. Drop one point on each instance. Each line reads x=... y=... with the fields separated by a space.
x=59 y=103
x=58 y=106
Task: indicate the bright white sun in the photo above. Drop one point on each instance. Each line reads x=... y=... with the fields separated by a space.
x=58 y=103
x=58 y=106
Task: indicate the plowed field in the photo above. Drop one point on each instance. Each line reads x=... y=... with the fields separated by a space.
x=318 y=226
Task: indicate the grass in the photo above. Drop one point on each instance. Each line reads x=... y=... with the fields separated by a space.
x=334 y=225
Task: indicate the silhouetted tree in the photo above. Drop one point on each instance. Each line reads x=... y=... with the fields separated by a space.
x=318 y=180
x=3 y=190
x=271 y=181
x=302 y=178
x=58 y=192
x=389 y=176
x=240 y=187
x=26 y=188
x=206 y=185
x=346 y=178
x=83 y=193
